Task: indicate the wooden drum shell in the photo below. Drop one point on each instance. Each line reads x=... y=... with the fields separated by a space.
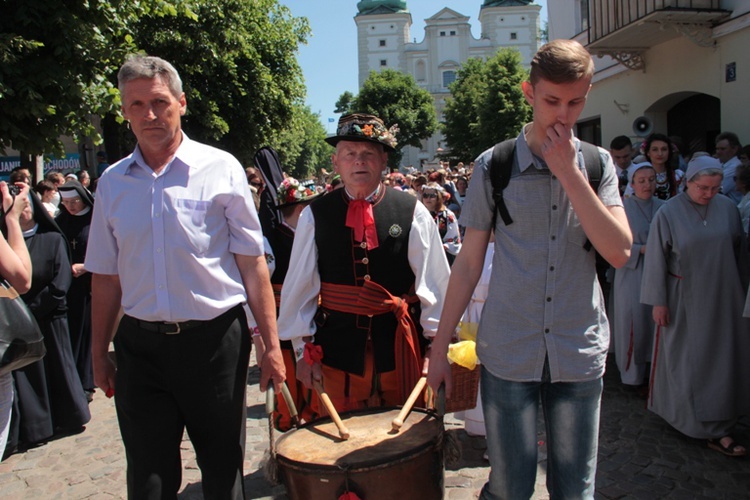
x=375 y=462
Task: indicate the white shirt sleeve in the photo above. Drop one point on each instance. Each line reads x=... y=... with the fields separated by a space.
x=299 y=295
x=430 y=266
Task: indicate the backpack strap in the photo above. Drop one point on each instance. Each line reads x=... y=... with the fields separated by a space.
x=500 y=167
x=592 y=160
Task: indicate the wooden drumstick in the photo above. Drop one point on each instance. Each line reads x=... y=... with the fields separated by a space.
x=399 y=420
x=343 y=431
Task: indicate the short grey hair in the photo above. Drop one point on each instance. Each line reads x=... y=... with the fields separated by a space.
x=139 y=66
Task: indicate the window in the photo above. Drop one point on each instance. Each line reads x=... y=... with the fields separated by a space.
x=514 y=36
x=383 y=62
x=453 y=33
x=590 y=131
x=448 y=78
x=442 y=33
x=381 y=43
x=584 y=9
x=421 y=71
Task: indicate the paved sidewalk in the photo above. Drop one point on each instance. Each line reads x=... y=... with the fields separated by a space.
x=640 y=457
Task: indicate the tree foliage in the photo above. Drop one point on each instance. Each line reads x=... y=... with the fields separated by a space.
x=237 y=60
x=461 y=115
x=301 y=146
x=486 y=105
x=396 y=99
x=56 y=60
x=344 y=104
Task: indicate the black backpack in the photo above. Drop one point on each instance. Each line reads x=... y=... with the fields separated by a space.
x=501 y=165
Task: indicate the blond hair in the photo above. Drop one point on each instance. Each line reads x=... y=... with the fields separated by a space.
x=561 y=61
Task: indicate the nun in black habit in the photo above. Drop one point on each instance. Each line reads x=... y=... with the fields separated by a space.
x=74 y=219
x=49 y=396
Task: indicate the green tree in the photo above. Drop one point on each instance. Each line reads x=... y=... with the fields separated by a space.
x=237 y=59
x=55 y=62
x=461 y=113
x=486 y=105
x=344 y=104
x=302 y=148
x=505 y=109
x=397 y=100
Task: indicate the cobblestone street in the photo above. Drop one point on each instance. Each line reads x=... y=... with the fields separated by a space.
x=640 y=457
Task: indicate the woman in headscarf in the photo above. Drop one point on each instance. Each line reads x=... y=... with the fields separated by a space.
x=633 y=324
x=695 y=278
x=49 y=397
x=74 y=220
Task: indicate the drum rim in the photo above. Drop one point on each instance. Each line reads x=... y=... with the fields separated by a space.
x=434 y=442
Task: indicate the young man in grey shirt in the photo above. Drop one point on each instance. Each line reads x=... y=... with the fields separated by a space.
x=546 y=333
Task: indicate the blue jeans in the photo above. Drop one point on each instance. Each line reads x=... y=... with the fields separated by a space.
x=571 y=415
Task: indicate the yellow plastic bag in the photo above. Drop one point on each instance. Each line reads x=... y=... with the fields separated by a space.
x=464 y=352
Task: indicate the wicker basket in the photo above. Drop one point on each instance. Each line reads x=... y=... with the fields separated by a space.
x=465 y=389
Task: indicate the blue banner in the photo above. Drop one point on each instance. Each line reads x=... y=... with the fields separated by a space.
x=69 y=163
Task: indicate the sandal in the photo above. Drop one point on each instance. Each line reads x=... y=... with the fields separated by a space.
x=731 y=450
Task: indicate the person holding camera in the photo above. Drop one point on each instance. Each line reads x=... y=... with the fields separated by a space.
x=15 y=267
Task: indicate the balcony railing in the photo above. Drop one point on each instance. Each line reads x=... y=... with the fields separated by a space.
x=608 y=16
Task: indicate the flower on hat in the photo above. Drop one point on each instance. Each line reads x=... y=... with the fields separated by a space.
x=375 y=131
x=291 y=191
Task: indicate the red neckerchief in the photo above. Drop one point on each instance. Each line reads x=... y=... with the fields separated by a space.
x=359 y=217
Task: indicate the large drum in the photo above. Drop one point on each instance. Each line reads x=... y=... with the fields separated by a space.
x=375 y=462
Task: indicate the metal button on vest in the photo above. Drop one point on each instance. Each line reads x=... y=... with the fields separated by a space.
x=367 y=277
x=363 y=244
x=365 y=261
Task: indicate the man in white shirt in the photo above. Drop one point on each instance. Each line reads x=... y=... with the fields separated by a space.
x=727 y=148
x=621 y=150
x=177 y=243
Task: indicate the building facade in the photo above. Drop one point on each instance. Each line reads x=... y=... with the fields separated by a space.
x=385 y=41
x=679 y=67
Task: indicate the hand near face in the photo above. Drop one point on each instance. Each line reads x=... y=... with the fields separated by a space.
x=558 y=150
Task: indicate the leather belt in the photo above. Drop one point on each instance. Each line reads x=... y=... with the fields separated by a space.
x=174 y=327
x=167 y=327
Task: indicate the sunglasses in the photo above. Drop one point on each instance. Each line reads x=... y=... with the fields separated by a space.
x=429 y=195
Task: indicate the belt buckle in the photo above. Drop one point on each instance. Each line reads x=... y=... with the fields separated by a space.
x=176 y=325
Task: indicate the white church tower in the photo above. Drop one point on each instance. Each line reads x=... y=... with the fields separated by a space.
x=383 y=32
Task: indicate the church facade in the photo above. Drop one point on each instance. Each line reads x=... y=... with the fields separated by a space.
x=385 y=42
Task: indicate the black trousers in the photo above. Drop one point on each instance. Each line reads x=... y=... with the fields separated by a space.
x=192 y=380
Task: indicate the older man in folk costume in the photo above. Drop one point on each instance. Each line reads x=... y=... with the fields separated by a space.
x=366 y=280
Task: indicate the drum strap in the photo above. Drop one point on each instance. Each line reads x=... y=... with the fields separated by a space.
x=371 y=299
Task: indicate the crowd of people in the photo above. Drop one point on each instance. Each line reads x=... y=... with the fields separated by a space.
x=358 y=286
x=689 y=242
x=51 y=396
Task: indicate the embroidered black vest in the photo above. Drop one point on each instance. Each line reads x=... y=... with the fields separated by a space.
x=342 y=260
